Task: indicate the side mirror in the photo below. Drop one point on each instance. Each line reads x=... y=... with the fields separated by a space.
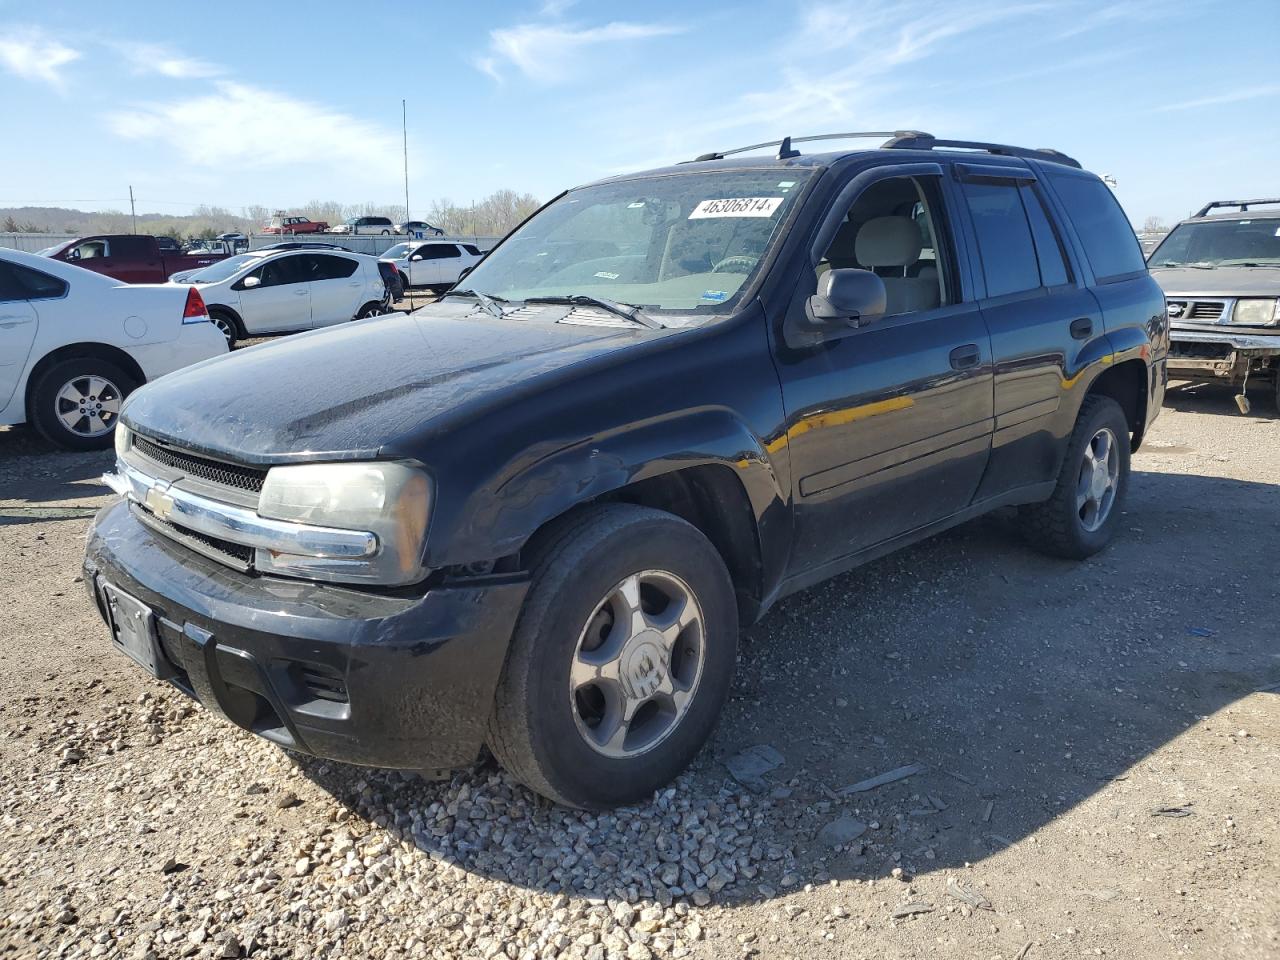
x=416 y=257
x=847 y=297
x=73 y=253
x=251 y=282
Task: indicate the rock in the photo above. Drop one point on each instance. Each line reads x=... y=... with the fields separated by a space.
x=228 y=947
x=302 y=867
x=287 y=799
x=749 y=766
x=967 y=895
x=842 y=831
x=911 y=909
x=334 y=920
x=638 y=951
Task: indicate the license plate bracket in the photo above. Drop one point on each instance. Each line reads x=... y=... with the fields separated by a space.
x=133 y=631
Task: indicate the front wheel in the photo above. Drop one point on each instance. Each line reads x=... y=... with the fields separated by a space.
x=620 y=661
x=1081 y=516
x=76 y=403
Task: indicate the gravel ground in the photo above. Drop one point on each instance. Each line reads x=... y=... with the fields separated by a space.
x=1094 y=750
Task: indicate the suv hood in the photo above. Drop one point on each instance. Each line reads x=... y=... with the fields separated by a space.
x=347 y=391
x=1218 y=282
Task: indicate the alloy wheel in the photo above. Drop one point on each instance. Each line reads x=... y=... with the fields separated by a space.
x=637 y=664
x=1098 y=481
x=88 y=406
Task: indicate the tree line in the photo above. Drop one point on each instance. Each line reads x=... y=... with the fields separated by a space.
x=495 y=215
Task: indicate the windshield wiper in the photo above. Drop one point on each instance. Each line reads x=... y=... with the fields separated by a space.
x=489 y=303
x=625 y=310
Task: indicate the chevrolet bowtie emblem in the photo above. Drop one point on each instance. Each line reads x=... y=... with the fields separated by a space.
x=159 y=502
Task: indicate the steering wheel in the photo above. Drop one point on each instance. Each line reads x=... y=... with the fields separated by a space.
x=737 y=264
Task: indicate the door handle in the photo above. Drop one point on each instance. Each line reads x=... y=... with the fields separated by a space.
x=300 y=293
x=355 y=283
x=964 y=357
x=1082 y=328
x=8 y=321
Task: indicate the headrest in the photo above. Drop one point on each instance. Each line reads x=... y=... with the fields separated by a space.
x=888 y=242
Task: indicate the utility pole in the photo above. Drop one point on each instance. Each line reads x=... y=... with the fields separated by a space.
x=133 y=212
x=404 y=128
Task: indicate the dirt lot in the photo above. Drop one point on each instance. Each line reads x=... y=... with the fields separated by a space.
x=1101 y=769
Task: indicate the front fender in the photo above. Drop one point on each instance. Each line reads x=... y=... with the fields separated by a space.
x=503 y=515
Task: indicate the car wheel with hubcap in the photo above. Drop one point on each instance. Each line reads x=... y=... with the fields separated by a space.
x=76 y=403
x=372 y=310
x=1081 y=516
x=621 y=659
x=226 y=326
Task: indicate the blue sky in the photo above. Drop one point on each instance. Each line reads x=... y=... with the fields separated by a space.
x=275 y=104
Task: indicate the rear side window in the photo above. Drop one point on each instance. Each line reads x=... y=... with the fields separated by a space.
x=1053 y=266
x=23 y=283
x=1004 y=237
x=135 y=248
x=1108 y=239
x=327 y=267
x=472 y=249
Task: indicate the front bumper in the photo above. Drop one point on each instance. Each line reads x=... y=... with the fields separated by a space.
x=1220 y=352
x=404 y=681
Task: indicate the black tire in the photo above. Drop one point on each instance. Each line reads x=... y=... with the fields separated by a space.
x=1276 y=383
x=228 y=325
x=386 y=233
x=45 y=403
x=532 y=731
x=1056 y=526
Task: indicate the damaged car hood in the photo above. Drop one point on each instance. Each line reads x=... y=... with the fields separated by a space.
x=1218 y=281
x=348 y=391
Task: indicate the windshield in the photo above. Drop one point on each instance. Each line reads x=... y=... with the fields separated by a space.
x=673 y=243
x=1212 y=243
x=398 y=251
x=223 y=268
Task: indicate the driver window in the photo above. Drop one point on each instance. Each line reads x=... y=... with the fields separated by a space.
x=91 y=249
x=892 y=229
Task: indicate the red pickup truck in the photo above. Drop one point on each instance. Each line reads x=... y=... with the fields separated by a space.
x=131 y=258
x=284 y=225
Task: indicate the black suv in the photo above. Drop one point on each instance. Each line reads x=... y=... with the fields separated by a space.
x=1220 y=271
x=533 y=515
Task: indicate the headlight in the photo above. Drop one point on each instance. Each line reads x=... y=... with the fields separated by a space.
x=124 y=438
x=390 y=500
x=1256 y=313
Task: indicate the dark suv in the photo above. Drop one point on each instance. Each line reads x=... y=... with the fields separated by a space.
x=1220 y=271
x=534 y=514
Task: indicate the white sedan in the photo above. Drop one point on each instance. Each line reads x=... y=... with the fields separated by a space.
x=74 y=344
x=280 y=291
x=432 y=263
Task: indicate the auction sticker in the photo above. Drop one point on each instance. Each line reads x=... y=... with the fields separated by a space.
x=737 y=207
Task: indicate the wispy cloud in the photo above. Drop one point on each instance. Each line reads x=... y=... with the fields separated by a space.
x=235 y=125
x=32 y=54
x=542 y=51
x=158 y=59
x=1232 y=96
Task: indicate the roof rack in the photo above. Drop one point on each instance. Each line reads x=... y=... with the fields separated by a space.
x=785 y=151
x=904 y=140
x=924 y=141
x=1242 y=205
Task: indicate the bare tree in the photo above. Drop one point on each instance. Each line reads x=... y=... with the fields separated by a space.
x=1154 y=225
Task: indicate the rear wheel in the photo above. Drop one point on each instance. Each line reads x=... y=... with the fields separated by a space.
x=76 y=403
x=372 y=310
x=620 y=661
x=227 y=325
x=1081 y=516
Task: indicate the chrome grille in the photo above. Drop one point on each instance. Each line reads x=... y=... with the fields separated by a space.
x=203 y=468
x=1205 y=310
